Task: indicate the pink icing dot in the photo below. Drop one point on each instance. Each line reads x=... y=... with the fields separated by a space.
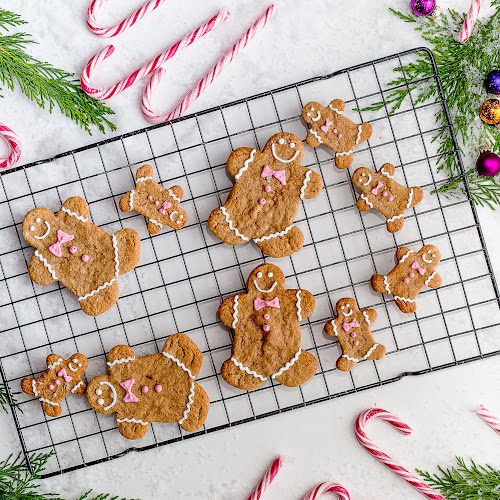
x=340 y=136
x=267 y=189
x=73 y=249
x=158 y=388
x=262 y=201
x=150 y=198
x=407 y=280
x=144 y=389
x=58 y=382
x=334 y=130
x=391 y=198
x=353 y=334
x=266 y=328
x=157 y=203
x=85 y=258
x=412 y=275
x=267 y=316
x=356 y=343
x=385 y=193
x=51 y=387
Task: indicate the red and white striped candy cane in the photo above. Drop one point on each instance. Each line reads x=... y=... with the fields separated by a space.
x=206 y=80
x=323 y=488
x=14 y=144
x=138 y=74
x=470 y=21
x=489 y=418
x=124 y=25
x=266 y=480
x=374 y=450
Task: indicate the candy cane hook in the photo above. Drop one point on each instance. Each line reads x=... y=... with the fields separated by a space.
x=489 y=418
x=470 y=21
x=266 y=480
x=14 y=144
x=206 y=80
x=138 y=74
x=124 y=25
x=323 y=488
x=374 y=450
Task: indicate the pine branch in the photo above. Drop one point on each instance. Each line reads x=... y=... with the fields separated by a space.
x=42 y=83
x=462 y=69
x=4 y=399
x=463 y=482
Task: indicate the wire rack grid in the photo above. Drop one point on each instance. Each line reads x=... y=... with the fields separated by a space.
x=183 y=276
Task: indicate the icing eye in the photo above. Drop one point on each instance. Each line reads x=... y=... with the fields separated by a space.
x=79 y=365
x=312 y=109
x=360 y=179
x=269 y=275
x=342 y=307
x=32 y=228
x=308 y=114
x=428 y=251
x=292 y=145
x=38 y=220
x=433 y=254
x=281 y=141
x=259 y=275
x=100 y=401
x=98 y=392
x=74 y=360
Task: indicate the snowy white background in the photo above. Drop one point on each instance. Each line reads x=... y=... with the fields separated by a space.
x=306 y=39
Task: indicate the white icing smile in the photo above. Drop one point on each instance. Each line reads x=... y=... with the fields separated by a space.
x=367 y=182
x=425 y=260
x=269 y=290
x=277 y=157
x=44 y=235
x=318 y=117
x=348 y=313
x=113 y=395
x=71 y=368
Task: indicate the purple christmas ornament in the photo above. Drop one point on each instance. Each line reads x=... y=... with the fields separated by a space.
x=488 y=164
x=423 y=8
x=492 y=82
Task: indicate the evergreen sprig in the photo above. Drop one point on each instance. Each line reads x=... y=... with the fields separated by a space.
x=4 y=399
x=42 y=83
x=465 y=482
x=462 y=69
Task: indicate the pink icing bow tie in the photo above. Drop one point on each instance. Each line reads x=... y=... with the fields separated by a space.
x=258 y=304
x=326 y=126
x=62 y=373
x=129 y=397
x=347 y=326
x=277 y=174
x=166 y=205
x=416 y=266
x=375 y=189
x=62 y=237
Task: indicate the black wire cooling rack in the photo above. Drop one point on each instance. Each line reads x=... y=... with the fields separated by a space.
x=183 y=275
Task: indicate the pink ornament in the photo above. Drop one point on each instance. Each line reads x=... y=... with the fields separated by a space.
x=488 y=164
x=423 y=8
x=14 y=144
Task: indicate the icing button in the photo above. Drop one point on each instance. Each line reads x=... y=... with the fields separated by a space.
x=267 y=189
x=58 y=382
x=391 y=198
x=262 y=201
x=157 y=203
x=267 y=316
x=412 y=275
x=353 y=334
x=85 y=258
x=407 y=280
x=356 y=343
x=145 y=389
x=51 y=387
x=384 y=194
x=340 y=136
x=266 y=328
x=150 y=198
x=73 y=250
x=158 y=388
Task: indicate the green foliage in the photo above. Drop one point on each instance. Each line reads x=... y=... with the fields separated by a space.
x=42 y=83
x=463 y=482
x=462 y=69
x=4 y=400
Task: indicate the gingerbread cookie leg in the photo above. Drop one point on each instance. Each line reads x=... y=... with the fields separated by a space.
x=344 y=160
x=223 y=227
x=365 y=132
x=40 y=271
x=100 y=300
x=378 y=352
x=198 y=410
x=395 y=224
x=407 y=306
x=282 y=244
x=346 y=365
x=131 y=428
x=127 y=249
x=300 y=372
x=238 y=378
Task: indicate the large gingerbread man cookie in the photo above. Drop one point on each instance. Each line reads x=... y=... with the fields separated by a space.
x=381 y=192
x=155 y=388
x=62 y=377
x=159 y=205
x=83 y=257
x=266 y=325
x=330 y=127
x=352 y=329
x=412 y=273
x=262 y=206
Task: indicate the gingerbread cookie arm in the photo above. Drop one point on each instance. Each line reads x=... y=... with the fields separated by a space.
x=304 y=301
x=53 y=360
x=312 y=184
x=337 y=105
x=401 y=252
x=370 y=315
x=79 y=388
x=240 y=160
x=434 y=280
x=176 y=192
x=51 y=410
x=40 y=271
x=228 y=310
x=418 y=195
x=144 y=171
x=388 y=169
x=329 y=328
x=27 y=386
x=362 y=204
x=125 y=203
x=181 y=348
x=119 y=356
x=77 y=207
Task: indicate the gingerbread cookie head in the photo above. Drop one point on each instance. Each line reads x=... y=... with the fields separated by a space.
x=363 y=178
x=286 y=148
x=266 y=279
x=40 y=228
x=346 y=308
x=313 y=113
x=102 y=394
x=430 y=255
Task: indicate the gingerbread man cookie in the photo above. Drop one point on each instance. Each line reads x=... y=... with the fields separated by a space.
x=262 y=206
x=412 y=273
x=83 y=257
x=155 y=388
x=61 y=377
x=381 y=192
x=266 y=324
x=352 y=328
x=330 y=127
x=159 y=205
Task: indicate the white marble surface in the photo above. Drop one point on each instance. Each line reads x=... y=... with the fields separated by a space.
x=306 y=39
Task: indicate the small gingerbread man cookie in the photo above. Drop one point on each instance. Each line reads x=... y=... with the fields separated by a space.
x=155 y=388
x=266 y=325
x=352 y=328
x=159 y=205
x=330 y=127
x=412 y=273
x=62 y=377
x=381 y=192
x=262 y=206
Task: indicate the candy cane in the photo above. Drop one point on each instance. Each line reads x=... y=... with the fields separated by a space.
x=147 y=68
x=124 y=25
x=266 y=480
x=323 y=488
x=489 y=418
x=470 y=21
x=374 y=450
x=206 y=80
x=14 y=145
